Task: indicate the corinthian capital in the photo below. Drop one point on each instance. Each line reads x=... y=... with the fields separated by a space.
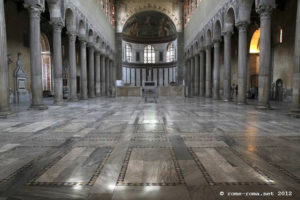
x=265 y=10
x=35 y=10
x=242 y=26
x=57 y=24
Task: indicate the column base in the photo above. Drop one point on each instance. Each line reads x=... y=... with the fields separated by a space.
x=84 y=98
x=92 y=96
x=38 y=107
x=74 y=99
x=263 y=107
x=58 y=103
x=294 y=113
x=6 y=114
x=241 y=103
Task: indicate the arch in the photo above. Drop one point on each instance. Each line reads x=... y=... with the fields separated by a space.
x=70 y=20
x=208 y=37
x=149 y=54
x=201 y=42
x=46 y=64
x=170 y=52
x=217 y=30
x=229 y=20
x=91 y=35
x=244 y=12
x=82 y=31
x=254 y=44
x=151 y=7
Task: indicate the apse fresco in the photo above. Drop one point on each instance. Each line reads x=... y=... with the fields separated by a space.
x=149 y=26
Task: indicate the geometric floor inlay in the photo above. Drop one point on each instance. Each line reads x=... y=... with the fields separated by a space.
x=145 y=166
x=224 y=166
x=16 y=160
x=78 y=166
x=286 y=160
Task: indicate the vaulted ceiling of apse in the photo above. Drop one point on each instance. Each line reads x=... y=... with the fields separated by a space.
x=149 y=27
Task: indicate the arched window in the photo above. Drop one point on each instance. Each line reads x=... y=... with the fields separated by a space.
x=149 y=54
x=46 y=64
x=128 y=53
x=171 y=53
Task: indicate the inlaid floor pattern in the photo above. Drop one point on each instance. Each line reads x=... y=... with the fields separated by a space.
x=125 y=148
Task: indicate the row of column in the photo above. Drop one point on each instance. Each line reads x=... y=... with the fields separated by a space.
x=99 y=81
x=195 y=64
x=136 y=76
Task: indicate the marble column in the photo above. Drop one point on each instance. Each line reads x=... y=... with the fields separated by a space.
x=4 y=84
x=107 y=75
x=197 y=75
x=103 y=78
x=227 y=66
x=97 y=75
x=192 y=72
x=216 y=73
x=83 y=78
x=264 y=82
x=36 y=57
x=208 y=85
x=242 y=62
x=112 y=79
x=296 y=80
x=188 y=78
x=202 y=74
x=72 y=62
x=91 y=70
x=57 y=62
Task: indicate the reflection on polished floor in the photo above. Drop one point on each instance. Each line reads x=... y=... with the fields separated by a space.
x=126 y=149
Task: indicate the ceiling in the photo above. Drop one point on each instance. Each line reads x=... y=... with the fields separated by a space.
x=149 y=27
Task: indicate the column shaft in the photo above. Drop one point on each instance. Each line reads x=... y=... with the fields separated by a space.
x=83 y=78
x=72 y=62
x=4 y=84
x=107 y=76
x=227 y=66
x=296 y=81
x=197 y=75
x=202 y=73
x=36 y=58
x=57 y=61
x=264 y=84
x=208 y=72
x=91 y=71
x=192 y=80
x=242 y=63
x=98 y=79
x=216 y=93
x=103 y=78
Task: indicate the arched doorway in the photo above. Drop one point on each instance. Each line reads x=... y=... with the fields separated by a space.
x=254 y=62
x=46 y=65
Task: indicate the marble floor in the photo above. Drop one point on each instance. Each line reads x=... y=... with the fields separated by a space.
x=177 y=149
